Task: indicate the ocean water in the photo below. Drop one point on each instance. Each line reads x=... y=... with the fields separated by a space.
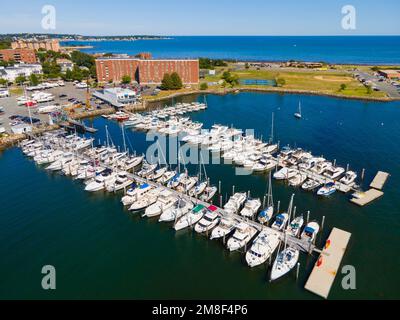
x=332 y=49
x=100 y=250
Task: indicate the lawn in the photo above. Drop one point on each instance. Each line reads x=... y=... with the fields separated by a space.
x=327 y=82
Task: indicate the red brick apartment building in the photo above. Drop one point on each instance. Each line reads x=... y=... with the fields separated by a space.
x=18 y=55
x=145 y=70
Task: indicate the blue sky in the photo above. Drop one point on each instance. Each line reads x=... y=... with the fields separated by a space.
x=203 y=17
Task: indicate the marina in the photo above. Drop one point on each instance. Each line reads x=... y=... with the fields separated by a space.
x=253 y=183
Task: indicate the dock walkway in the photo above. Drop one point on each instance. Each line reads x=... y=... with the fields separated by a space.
x=379 y=180
x=323 y=275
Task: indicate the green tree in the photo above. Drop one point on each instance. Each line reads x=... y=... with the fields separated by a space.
x=204 y=86
x=343 y=87
x=126 y=79
x=246 y=65
x=369 y=89
x=176 y=81
x=280 y=82
x=20 y=79
x=226 y=76
x=166 y=83
x=33 y=79
x=3 y=82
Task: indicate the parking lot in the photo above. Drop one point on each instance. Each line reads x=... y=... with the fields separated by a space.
x=62 y=95
x=380 y=83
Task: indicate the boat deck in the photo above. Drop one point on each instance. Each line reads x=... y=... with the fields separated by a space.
x=325 y=270
x=379 y=180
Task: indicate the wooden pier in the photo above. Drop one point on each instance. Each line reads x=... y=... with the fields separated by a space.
x=327 y=266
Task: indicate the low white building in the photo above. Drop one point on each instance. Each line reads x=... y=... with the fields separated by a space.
x=11 y=73
x=118 y=97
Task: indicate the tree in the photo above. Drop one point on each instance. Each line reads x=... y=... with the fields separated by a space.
x=342 y=87
x=280 y=82
x=176 y=81
x=369 y=89
x=204 y=86
x=126 y=79
x=166 y=83
x=20 y=79
x=33 y=79
x=247 y=66
x=3 y=82
x=226 y=76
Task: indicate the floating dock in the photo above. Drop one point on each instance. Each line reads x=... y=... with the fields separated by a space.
x=325 y=270
x=367 y=197
x=374 y=192
x=379 y=180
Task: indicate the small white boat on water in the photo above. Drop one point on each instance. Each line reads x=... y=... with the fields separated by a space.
x=100 y=182
x=145 y=200
x=243 y=234
x=310 y=231
x=310 y=185
x=349 y=178
x=225 y=227
x=121 y=182
x=280 y=221
x=60 y=163
x=157 y=174
x=298 y=179
x=178 y=210
x=135 y=192
x=295 y=226
x=165 y=201
x=251 y=207
x=327 y=189
x=285 y=173
x=235 y=202
x=284 y=263
x=263 y=247
x=208 y=193
x=209 y=220
x=191 y=218
x=167 y=176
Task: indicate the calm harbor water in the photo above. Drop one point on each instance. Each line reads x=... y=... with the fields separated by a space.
x=100 y=250
x=333 y=49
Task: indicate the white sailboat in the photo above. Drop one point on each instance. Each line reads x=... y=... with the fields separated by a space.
x=298 y=114
x=284 y=262
x=191 y=218
x=266 y=215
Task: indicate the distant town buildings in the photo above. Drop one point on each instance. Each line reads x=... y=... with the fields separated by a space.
x=18 y=55
x=11 y=73
x=52 y=44
x=146 y=70
x=390 y=74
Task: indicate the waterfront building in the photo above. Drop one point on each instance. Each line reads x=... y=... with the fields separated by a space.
x=117 y=97
x=390 y=74
x=52 y=44
x=146 y=70
x=18 y=55
x=11 y=73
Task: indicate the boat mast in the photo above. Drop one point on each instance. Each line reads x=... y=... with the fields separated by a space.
x=123 y=136
x=270 y=196
x=272 y=129
x=108 y=142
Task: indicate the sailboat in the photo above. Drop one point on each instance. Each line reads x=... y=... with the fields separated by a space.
x=298 y=115
x=266 y=215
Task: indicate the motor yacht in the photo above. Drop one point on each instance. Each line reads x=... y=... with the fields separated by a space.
x=225 y=227
x=242 y=235
x=165 y=201
x=250 y=208
x=178 y=210
x=349 y=178
x=191 y=218
x=328 y=189
x=262 y=248
x=209 y=220
x=310 y=231
x=280 y=221
x=295 y=226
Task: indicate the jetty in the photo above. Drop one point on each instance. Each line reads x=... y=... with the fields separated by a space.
x=324 y=273
x=379 y=180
